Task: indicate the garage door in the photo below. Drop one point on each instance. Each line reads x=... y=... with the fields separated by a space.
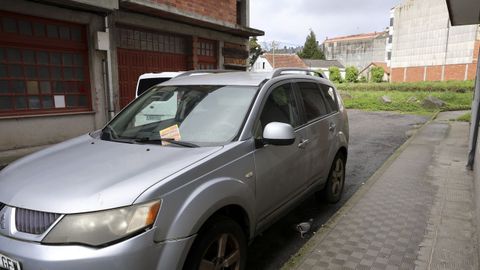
x=143 y=51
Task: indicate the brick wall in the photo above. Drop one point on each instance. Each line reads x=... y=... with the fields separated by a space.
x=235 y=60
x=476 y=51
x=434 y=73
x=397 y=74
x=472 y=71
x=415 y=74
x=224 y=10
x=455 y=72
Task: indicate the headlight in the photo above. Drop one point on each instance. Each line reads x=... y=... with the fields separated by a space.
x=103 y=227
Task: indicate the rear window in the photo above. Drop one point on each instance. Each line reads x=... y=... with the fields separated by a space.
x=145 y=84
x=312 y=100
x=330 y=99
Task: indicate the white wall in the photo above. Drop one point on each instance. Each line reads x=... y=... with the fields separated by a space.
x=423 y=36
x=261 y=65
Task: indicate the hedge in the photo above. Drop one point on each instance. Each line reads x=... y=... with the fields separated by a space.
x=448 y=86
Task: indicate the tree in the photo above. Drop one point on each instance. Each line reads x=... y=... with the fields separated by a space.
x=334 y=74
x=376 y=74
x=351 y=74
x=311 y=49
x=254 y=51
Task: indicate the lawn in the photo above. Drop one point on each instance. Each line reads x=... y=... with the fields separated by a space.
x=405 y=101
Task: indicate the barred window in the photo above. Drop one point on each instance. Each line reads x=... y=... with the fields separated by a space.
x=49 y=78
x=207 y=54
x=129 y=38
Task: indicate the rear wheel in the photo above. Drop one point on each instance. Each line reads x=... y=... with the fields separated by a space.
x=220 y=245
x=336 y=180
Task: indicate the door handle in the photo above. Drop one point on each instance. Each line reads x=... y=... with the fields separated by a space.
x=332 y=127
x=303 y=143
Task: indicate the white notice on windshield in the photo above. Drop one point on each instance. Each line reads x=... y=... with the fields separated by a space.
x=171 y=132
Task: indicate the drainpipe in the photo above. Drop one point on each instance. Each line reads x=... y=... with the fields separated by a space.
x=446 y=50
x=474 y=126
x=111 y=98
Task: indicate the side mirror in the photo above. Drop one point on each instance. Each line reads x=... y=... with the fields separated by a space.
x=277 y=133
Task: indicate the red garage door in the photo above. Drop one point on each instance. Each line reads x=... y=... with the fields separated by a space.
x=142 y=51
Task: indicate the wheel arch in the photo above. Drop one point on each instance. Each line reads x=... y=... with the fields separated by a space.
x=225 y=197
x=343 y=151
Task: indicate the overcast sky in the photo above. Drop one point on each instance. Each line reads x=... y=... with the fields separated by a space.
x=289 y=21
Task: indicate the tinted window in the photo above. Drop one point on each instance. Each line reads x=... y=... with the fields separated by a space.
x=330 y=100
x=145 y=84
x=280 y=107
x=312 y=100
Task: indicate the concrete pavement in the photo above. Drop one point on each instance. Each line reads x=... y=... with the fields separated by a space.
x=416 y=212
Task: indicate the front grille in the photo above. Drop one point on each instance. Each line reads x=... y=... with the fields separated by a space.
x=33 y=222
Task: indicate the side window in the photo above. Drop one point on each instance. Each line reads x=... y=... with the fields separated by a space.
x=329 y=95
x=279 y=107
x=312 y=100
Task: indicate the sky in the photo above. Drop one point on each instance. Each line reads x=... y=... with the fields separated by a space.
x=289 y=21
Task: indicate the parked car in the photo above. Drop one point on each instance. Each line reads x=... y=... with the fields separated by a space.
x=237 y=151
x=159 y=109
x=147 y=80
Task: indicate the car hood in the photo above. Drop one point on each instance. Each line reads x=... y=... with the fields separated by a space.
x=86 y=174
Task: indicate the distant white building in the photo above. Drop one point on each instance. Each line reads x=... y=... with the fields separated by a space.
x=262 y=64
x=356 y=50
x=389 y=40
x=269 y=61
x=425 y=47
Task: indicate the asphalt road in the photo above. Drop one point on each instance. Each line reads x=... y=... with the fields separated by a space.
x=374 y=136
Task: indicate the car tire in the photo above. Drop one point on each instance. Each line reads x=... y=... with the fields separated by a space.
x=332 y=193
x=220 y=244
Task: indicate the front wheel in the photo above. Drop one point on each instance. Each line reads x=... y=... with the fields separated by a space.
x=221 y=244
x=336 y=180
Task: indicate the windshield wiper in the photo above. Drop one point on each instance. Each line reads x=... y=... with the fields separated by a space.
x=169 y=140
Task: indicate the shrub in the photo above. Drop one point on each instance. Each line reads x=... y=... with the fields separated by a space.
x=334 y=74
x=351 y=74
x=376 y=74
x=362 y=79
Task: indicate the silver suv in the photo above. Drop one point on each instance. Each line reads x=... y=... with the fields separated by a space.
x=186 y=185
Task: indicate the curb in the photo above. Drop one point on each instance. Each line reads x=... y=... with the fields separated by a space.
x=295 y=261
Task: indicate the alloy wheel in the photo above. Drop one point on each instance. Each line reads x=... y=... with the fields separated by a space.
x=337 y=177
x=222 y=254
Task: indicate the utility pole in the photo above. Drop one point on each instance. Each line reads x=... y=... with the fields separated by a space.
x=273 y=48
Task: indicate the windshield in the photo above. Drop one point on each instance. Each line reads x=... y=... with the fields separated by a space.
x=197 y=115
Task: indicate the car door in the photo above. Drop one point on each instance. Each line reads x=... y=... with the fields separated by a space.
x=280 y=170
x=320 y=129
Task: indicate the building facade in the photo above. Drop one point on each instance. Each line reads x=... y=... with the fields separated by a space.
x=357 y=50
x=66 y=66
x=425 y=47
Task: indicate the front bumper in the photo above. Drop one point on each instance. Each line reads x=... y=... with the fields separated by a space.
x=139 y=252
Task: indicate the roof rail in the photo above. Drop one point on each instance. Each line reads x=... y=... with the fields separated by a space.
x=203 y=71
x=281 y=71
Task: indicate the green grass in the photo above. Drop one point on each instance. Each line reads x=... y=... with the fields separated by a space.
x=465 y=118
x=370 y=101
x=447 y=86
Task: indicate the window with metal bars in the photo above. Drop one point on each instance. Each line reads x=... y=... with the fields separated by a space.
x=145 y=40
x=43 y=66
x=207 y=54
